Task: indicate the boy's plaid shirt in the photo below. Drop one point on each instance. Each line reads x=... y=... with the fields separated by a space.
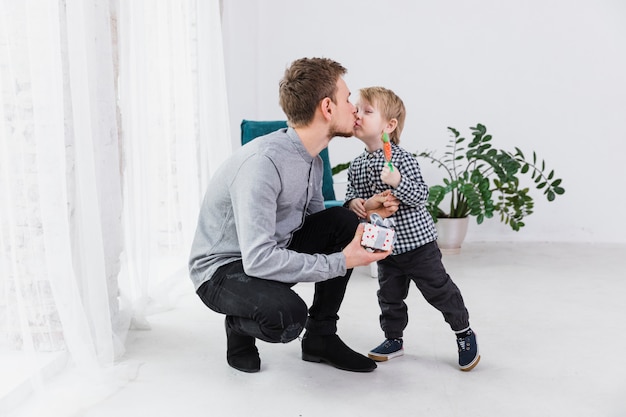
x=414 y=226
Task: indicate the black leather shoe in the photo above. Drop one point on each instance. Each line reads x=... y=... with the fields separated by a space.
x=331 y=350
x=241 y=351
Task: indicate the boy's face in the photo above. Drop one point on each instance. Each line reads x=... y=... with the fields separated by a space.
x=369 y=124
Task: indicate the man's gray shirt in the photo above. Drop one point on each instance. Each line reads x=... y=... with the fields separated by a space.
x=254 y=203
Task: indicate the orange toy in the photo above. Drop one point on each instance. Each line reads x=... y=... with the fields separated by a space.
x=387 y=150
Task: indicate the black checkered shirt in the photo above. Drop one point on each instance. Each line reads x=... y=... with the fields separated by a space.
x=414 y=226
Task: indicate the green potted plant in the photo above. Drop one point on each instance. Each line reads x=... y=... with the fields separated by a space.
x=482 y=181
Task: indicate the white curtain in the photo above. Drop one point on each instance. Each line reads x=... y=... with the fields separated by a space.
x=174 y=118
x=113 y=116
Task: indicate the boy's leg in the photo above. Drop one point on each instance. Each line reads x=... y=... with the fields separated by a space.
x=393 y=288
x=427 y=271
x=440 y=291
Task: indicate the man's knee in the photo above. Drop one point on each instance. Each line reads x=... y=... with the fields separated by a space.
x=297 y=315
x=344 y=216
x=291 y=332
x=344 y=222
x=287 y=322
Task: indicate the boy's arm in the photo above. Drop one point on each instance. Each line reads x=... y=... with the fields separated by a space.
x=412 y=190
x=351 y=192
x=357 y=205
x=353 y=200
x=384 y=204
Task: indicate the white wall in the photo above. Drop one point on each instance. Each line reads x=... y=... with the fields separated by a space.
x=543 y=75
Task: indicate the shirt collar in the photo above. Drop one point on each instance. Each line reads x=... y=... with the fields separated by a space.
x=298 y=145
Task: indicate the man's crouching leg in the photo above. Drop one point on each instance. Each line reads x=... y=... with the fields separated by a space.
x=281 y=323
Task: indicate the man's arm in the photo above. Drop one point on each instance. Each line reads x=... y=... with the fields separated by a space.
x=255 y=193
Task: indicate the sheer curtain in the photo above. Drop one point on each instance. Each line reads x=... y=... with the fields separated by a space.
x=174 y=118
x=113 y=116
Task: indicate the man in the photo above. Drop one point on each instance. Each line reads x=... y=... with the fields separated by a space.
x=262 y=228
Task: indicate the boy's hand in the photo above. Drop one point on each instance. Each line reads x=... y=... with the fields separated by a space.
x=357 y=205
x=384 y=204
x=356 y=255
x=390 y=177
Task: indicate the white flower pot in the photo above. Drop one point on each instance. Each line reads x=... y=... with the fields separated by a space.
x=451 y=234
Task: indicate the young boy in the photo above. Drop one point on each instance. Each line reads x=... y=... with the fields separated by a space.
x=416 y=256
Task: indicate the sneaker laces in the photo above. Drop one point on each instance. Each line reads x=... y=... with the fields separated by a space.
x=390 y=342
x=464 y=342
x=461 y=343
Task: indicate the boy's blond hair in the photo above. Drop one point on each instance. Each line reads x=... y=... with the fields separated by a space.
x=389 y=105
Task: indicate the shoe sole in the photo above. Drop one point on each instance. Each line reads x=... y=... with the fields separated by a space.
x=317 y=359
x=383 y=358
x=247 y=370
x=252 y=370
x=472 y=365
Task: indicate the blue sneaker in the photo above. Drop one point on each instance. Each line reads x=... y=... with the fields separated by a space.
x=389 y=349
x=468 y=350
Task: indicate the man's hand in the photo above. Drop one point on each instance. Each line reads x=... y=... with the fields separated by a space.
x=356 y=255
x=384 y=204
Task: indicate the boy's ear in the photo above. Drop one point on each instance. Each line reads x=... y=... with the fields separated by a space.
x=391 y=125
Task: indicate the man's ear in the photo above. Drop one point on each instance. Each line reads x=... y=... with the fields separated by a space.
x=326 y=108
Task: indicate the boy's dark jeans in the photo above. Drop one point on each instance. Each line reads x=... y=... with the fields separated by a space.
x=424 y=267
x=271 y=310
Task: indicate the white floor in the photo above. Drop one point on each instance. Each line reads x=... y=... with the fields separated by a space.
x=549 y=320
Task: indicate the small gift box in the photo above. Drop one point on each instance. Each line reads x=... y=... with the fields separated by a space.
x=378 y=235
